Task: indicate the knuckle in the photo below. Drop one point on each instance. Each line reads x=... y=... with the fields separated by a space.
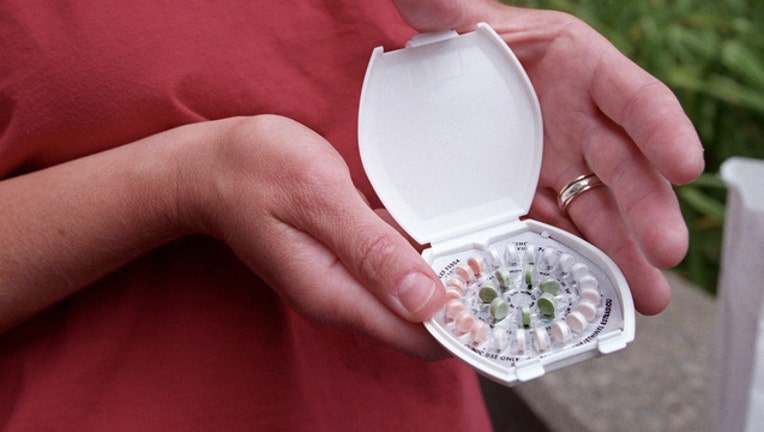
x=377 y=256
x=568 y=25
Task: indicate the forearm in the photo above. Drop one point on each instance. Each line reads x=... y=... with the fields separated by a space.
x=64 y=227
x=276 y=192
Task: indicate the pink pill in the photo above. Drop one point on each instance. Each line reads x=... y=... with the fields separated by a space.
x=454 y=308
x=456 y=284
x=464 y=322
x=452 y=294
x=464 y=272
x=478 y=332
x=476 y=264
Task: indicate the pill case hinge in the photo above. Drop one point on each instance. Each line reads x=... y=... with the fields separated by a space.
x=527 y=371
x=481 y=236
x=610 y=343
x=428 y=38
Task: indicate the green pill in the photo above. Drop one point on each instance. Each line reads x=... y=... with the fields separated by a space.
x=503 y=278
x=529 y=276
x=547 y=305
x=550 y=285
x=525 y=313
x=487 y=293
x=499 y=308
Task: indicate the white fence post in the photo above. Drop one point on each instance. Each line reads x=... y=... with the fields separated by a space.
x=739 y=379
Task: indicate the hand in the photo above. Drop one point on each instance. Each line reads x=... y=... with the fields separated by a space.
x=276 y=192
x=602 y=114
x=282 y=198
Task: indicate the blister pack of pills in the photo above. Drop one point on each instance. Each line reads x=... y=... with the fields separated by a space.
x=522 y=304
x=451 y=138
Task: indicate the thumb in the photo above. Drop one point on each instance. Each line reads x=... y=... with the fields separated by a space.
x=383 y=260
x=380 y=258
x=437 y=15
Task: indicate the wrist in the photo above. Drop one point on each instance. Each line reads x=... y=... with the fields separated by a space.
x=73 y=223
x=189 y=178
x=207 y=161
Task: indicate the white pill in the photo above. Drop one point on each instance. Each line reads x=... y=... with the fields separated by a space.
x=530 y=254
x=588 y=282
x=550 y=257
x=588 y=310
x=520 y=342
x=579 y=270
x=591 y=295
x=478 y=332
x=499 y=339
x=541 y=339
x=492 y=258
x=560 y=332
x=576 y=321
x=512 y=255
x=566 y=262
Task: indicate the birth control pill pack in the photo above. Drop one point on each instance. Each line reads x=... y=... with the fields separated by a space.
x=451 y=138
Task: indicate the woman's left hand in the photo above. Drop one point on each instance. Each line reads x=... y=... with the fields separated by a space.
x=605 y=115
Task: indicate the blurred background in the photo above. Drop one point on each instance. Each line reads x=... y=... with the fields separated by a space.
x=711 y=54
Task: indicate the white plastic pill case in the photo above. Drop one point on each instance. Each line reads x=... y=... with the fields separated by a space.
x=451 y=138
x=558 y=304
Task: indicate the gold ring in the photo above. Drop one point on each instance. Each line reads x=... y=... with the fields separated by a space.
x=575 y=188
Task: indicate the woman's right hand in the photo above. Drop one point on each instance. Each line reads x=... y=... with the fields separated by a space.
x=282 y=198
x=272 y=189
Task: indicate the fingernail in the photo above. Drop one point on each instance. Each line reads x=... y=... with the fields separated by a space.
x=415 y=291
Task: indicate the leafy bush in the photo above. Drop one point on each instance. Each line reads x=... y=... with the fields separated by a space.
x=711 y=54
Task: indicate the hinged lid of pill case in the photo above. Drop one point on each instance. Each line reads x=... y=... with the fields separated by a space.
x=450 y=133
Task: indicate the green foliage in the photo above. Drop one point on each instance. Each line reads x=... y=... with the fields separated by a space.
x=711 y=54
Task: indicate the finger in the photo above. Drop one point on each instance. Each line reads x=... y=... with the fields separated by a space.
x=438 y=15
x=377 y=256
x=650 y=114
x=645 y=198
x=544 y=208
x=599 y=220
x=317 y=284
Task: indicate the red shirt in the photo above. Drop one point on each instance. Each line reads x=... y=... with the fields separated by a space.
x=186 y=337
